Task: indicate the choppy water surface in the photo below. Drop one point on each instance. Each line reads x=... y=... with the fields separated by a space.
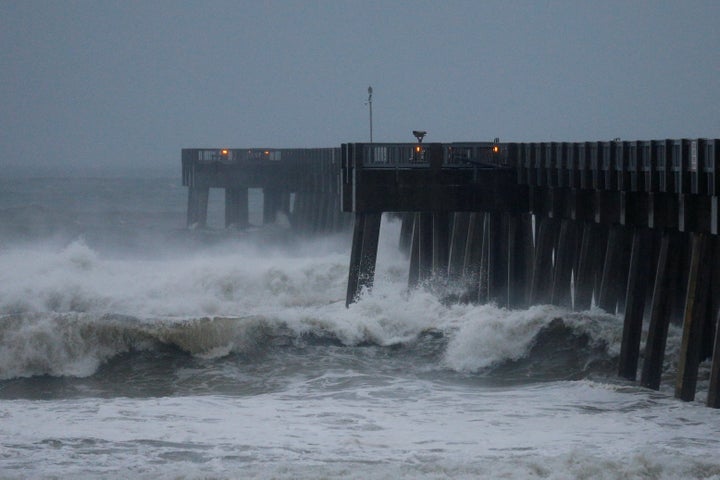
x=130 y=347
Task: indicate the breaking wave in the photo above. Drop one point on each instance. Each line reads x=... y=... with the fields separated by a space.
x=66 y=311
x=535 y=343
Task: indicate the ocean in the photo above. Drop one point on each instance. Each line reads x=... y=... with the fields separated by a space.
x=132 y=347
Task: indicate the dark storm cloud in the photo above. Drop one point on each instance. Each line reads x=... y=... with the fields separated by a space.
x=114 y=84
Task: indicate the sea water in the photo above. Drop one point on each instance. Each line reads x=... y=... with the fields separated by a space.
x=131 y=347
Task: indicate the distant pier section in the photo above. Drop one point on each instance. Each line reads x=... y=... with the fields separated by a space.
x=299 y=183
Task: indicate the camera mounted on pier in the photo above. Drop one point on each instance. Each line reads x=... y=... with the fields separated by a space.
x=418 y=153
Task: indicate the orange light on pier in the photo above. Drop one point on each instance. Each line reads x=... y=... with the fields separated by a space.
x=224 y=151
x=496 y=149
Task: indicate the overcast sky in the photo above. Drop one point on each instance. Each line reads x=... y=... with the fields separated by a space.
x=130 y=83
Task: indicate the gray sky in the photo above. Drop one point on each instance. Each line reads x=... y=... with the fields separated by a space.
x=129 y=83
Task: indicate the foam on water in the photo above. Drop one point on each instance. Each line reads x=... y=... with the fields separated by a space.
x=265 y=373
x=557 y=430
x=68 y=310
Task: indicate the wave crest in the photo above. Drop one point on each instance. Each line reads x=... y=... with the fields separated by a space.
x=544 y=340
x=77 y=344
x=539 y=335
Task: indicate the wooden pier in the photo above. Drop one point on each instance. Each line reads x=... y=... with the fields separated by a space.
x=300 y=183
x=629 y=225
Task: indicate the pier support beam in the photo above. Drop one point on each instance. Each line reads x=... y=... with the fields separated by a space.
x=271 y=205
x=666 y=281
x=564 y=263
x=497 y=265
x=543 y=266
x=363 y=254
x=440 y=243
x=614 y=278
x=424 y=223
x=406 y=232
x=592 y=249
x=638 y=278
x=414 y=252
x=236 y=207
x=713 y=398
x=426 y=251
x=520 y=257
x=696 y=302
x=473 y=255
x=197 y=206
x=458 y=241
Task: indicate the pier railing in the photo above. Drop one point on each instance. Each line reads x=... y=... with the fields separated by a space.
x=682 y=166
x=414 y=155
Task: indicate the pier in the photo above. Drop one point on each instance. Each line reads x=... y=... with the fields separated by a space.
x=628 y=226
x=301 y=183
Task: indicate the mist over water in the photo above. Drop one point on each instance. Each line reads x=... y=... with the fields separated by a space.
x=129 y=344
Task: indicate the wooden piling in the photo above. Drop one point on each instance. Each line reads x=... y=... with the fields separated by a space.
x=363 y=254
x=632 y=327
x=713 y=398
x=236 y=207
x=587 y=265
x=425 y=246
x=355 y=255
x=714 y=299
x=483 y=285
x=613 y=279
x=440 y=244
x=543 y=265
x=414 y=270
x=458 y=241
x=519 y=259
x=197 y=206
x=271 y=204
x=473 y=255
x=497 y=266
x=406 y=232
x=666 y=280
x=371 y=235
x=561 y=293
x=713 y=332
x=694 y=318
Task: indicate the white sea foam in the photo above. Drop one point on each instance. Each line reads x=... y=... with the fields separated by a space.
x=557 y=431
x=73 y=308
x=294 y=403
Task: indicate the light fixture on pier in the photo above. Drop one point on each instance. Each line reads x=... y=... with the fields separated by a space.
x=418 y=154
x=224 y=152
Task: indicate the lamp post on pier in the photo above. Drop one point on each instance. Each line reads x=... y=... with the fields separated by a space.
x=369 y=102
